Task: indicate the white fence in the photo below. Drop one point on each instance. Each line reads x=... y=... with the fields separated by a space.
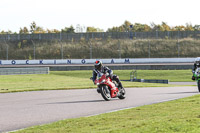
x=19 y=71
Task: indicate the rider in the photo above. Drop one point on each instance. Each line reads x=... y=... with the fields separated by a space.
x=99 y=67
x=196 y=65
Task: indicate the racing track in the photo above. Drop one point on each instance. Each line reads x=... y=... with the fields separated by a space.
x=25 y=109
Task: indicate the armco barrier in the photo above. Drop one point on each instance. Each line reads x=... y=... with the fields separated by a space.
x=20 y=71
x=111 y=66
x=151 y=81
x=124 y=67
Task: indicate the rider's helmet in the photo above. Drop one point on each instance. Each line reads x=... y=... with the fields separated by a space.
x=98 y=65
x=197 y=61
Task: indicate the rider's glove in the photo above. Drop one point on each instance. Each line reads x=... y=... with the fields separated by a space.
x=193 y=78
x=192 y=71
x=107 y=75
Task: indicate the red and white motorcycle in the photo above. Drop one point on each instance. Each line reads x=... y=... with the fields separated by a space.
x=108 y=88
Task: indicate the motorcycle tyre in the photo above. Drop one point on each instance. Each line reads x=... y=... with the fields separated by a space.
x=122 y=96
x=198 y=83
x=103 y=93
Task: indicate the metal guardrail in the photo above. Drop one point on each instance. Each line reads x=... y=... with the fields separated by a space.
x=133 y=78
x=151 y=81
x=133 y=75
x=21 y=71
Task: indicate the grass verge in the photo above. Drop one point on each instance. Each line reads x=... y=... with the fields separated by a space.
x=174 y=116
x=58 y=80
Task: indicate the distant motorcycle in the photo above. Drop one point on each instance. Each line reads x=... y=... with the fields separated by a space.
x=197 y=77
x=108 y=88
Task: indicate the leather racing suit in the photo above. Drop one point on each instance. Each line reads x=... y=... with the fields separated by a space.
x=105 y=69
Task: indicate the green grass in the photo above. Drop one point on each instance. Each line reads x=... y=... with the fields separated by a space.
x=80 y=80
x=175 y=116
x=171 y=75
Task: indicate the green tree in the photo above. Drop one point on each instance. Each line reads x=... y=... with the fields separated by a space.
x=189 y=27
x=114 y=29
x=68 y=29
x=155 y=27
x=165 y=27
x=179 y=28
x=2 y=32
x=53 y=31
x=36 y=29
x=6 y=32
x=125 y=27
x=137 y=27
x=33 y=27
x=196 y=27
x=23 y=30
x=39 y=30
x=93 y=29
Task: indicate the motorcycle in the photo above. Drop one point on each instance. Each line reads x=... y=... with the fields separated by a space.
x=109 y=89
x=196 y=75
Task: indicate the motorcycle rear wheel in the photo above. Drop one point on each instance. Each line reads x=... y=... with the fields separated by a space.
x=105 y=92
x=198 y=83
x=122 y=94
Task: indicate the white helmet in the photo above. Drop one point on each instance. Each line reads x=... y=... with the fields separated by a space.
x=197 y=61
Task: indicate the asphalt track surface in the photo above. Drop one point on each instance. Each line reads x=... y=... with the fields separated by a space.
x=25 y=109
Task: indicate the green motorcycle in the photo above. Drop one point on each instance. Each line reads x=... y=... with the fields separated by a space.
x=196 y=76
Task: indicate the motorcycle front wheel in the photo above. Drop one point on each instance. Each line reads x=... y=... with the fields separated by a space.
x=105 y=92
x=198 y=84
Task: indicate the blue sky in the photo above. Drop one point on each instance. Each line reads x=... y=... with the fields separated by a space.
x=103 y=14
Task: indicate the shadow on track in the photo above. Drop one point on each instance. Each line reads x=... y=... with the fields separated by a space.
x=93 y=101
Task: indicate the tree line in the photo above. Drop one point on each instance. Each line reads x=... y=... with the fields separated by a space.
x=125 y=27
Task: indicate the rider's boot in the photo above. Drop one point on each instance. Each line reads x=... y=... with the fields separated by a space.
x=98 y=90
x=121 y=91
x=120 y=85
